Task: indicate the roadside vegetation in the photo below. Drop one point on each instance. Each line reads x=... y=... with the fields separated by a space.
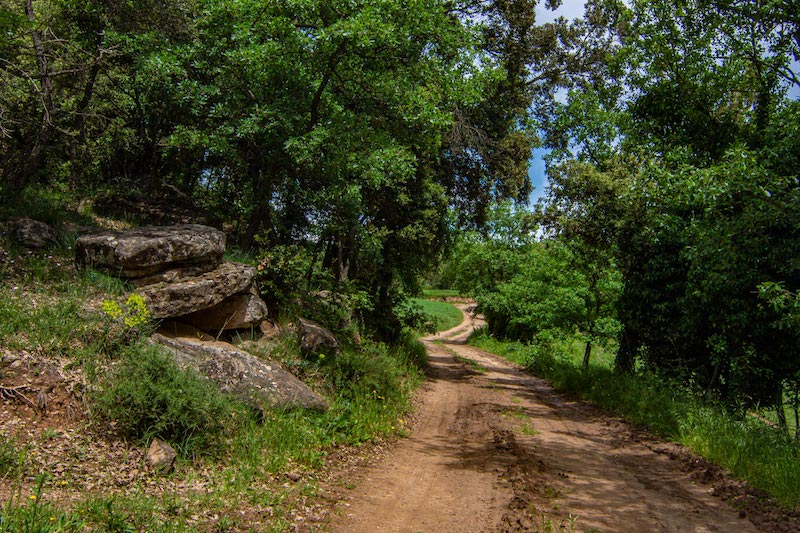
x=555 y=306
x=751 y=449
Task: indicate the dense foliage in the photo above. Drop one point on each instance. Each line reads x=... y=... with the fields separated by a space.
x=338 y=132
x=535 y=290
x=674 y=174
x=334 y=136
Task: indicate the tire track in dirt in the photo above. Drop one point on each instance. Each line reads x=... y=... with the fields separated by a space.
x=496 y=449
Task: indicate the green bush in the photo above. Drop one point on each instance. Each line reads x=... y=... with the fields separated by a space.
x=148 y=395
x=371 y=388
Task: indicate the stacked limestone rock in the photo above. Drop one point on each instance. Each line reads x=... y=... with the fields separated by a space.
x=180 y=272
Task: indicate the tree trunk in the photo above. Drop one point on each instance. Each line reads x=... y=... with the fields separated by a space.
x=342 y=262
x=260 y=216
x=80 y=112
x=781 y=416
x=587 y=354
x=796 y=413
x=36 y=159
x=626 y=353
x=714 y=375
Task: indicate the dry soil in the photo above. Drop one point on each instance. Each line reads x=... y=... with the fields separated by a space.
x=493 y=448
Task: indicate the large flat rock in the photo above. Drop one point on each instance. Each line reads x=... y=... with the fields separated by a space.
x=146 y=250
x=194 y=293
x=260 y=383
x=234 y=312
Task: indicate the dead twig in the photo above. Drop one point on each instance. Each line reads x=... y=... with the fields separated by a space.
x=10 y=393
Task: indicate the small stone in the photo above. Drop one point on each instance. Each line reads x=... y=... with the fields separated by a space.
x=268 y=329
x=161 y=456
x=314 y=339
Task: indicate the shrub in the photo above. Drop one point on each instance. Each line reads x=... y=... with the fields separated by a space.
x=148 y=396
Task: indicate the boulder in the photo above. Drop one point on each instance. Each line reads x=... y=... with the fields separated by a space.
x=194 y=293
x=260 y=383
x=176 y=274
x=314 y=339
x=234 y=312
x=33 y=233
x=143 y=251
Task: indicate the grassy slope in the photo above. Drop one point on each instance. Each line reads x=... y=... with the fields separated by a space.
x=747 y=447
x=51 y=310
x=443 y=315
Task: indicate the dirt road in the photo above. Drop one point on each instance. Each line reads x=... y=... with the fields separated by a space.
x=495 y=449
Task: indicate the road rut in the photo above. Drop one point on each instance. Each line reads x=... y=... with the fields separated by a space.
x=493 y=448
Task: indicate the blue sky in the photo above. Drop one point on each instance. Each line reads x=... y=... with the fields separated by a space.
x=569 y=9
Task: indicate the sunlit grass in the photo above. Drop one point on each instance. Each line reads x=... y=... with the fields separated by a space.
x=440 y=293
x=442 y=314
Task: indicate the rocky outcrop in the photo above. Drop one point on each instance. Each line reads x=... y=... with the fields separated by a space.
x=179 y=272
x=262 y=384
x=194 y=293
x=137 y=253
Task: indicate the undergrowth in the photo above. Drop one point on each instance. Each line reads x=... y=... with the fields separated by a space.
x=51 y=311
x=148 y=396
x=750 y=449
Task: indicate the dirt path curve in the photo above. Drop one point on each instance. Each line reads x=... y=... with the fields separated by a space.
x=495 y=449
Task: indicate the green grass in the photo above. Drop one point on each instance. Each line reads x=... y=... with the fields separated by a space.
x=442 y=315
x=54 y=205
x=474 y=365
x=440 y=293
x=750 y=449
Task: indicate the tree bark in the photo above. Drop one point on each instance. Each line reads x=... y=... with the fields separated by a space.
x=626 y=353
x=80 y=112
x=326 y=78
x=587 y=354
